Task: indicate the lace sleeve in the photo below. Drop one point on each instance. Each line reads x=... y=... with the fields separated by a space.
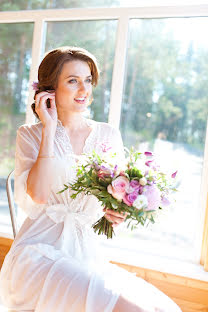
x=25 y=156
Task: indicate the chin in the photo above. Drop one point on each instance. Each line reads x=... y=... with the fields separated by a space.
x=81 y=109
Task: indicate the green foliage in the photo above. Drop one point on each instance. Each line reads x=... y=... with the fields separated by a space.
x=166 y=87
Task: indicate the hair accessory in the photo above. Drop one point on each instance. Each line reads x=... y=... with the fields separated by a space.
x=35 y=85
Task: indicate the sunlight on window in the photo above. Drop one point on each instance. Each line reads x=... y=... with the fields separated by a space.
x=99 y=38
x=14 y=68
x=165 y=110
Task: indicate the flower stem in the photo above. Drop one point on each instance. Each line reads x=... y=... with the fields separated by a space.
x=104 y=227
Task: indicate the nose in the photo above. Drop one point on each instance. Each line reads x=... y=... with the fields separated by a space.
x=82 y=86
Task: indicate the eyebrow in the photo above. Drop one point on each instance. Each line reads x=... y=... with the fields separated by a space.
x=77 y=76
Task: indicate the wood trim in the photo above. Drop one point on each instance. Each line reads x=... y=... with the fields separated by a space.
x=141 y=11
x=204 y=251
x=190 y=294
x=5 y=244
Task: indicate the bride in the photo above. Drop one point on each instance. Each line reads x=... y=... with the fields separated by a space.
x=55 y=263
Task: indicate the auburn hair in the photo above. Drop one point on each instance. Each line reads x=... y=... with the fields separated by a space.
x=52 y=64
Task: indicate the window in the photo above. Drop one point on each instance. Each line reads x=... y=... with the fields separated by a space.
x=164 y=109
x=153 y=84
x=15 y=62
x=98 y=37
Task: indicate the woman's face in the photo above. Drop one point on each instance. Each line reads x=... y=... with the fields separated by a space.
x=74 y=86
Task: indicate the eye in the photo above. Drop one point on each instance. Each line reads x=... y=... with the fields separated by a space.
x=72 y=81
x=89 y=80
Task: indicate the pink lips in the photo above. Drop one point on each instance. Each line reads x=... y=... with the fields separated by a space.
x=81 y=101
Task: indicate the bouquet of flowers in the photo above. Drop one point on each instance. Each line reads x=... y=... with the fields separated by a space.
x=136 y=187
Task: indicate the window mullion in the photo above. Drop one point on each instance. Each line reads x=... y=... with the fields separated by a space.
x=118 y=71
x=37 y=50
x=204 y=204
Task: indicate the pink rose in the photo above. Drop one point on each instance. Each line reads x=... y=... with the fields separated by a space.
x=111 y=191
x=153 y=196
x=118 y=187
x=130 y=198
x=122 y=173
x=120 y=184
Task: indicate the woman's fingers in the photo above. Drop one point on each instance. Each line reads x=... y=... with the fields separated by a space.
x=39 y=95
x=41 y=103
x=45 y=113
x=53 y=103
x=113 y=219
x=116 y=214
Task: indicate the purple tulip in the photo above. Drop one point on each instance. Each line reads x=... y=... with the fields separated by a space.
x=148 y=153
x=141 y=189
x=173 y=175
x=113 y=173
x=148 y=163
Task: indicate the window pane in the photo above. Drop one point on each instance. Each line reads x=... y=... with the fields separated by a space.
x=15 y=60
x=98 y=37
x=165 y=109
x=6 y=5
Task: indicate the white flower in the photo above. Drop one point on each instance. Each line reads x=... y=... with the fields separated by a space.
x=140 y=202
x=143 y=181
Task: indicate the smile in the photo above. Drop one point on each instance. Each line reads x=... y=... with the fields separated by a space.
x=81 y=100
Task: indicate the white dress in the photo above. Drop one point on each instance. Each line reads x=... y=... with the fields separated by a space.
x=55 y=263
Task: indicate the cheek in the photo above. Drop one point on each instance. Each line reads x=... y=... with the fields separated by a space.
x=89 y=89
x=67 y=89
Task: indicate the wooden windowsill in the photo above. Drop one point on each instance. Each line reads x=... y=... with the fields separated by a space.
x=156 y=263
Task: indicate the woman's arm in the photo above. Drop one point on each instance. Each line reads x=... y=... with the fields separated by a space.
x=40 y=177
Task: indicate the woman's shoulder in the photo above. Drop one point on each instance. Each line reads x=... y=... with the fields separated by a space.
x=104 y=126
x=30 y=129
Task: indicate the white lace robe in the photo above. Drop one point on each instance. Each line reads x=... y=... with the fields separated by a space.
x=55 y=263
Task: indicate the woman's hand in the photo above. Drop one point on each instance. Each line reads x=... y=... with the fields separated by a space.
x=47 y=115
x=115 y=217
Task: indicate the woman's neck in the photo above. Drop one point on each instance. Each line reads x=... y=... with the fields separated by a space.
x=72 y=121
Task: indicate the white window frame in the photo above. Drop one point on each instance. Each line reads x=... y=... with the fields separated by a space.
x=123 y=15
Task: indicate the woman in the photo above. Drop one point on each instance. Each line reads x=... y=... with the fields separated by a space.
x=55 y=263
